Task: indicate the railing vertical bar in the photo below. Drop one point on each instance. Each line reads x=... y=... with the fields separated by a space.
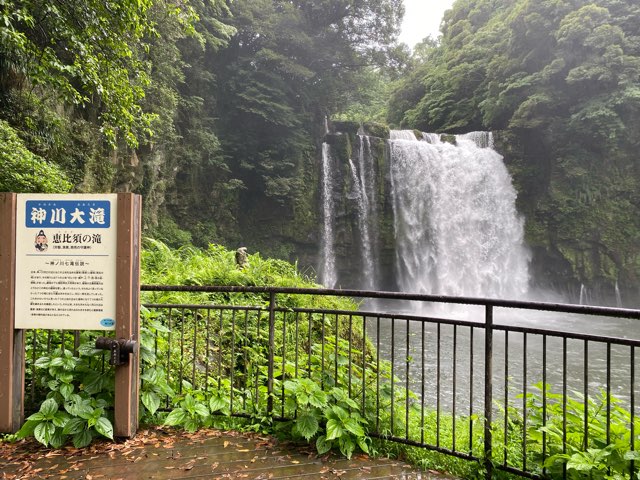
x=393 y=364
x=377 y=374
x=524 y=402
x=438 y=374
x=506 y=397
x=544 y=402
x=322 y=354
x=488 y=390
x=297 y=319
x=181 y=369
x=608 y=393
x=272 y=335
x=76 y=342
x=406 y=392
x=232 y=362
x=454 y=391
x=207 y=346
x=364 y=362
x=350 y=357
x=195 y=349
x=245 y=347
x=471 y=329
x=257 y=367
x=283 y=375
x=168 y=374
x=564 y=403
x=422 y=385
x=335 y=352
x=220 y=350
x=309 y=349
x=632 y=407
x=585 y=443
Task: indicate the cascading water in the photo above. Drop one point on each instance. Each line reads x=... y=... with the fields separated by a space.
x=451 y=209
x=456 y=227
x=363 y=180
x=328 y=276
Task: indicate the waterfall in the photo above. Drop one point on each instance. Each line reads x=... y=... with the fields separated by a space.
x=328 y=276
x=364 y=187
x=402 y=135
x=618 y=296
x=430 y=137
x=584 y=295
x=447 y=218
x=457 y=231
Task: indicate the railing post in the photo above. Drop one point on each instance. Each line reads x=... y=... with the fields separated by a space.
x=272 y=334
x=127 y=376
x=488 y=389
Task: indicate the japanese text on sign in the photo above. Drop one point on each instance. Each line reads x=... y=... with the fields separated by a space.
x=65 y=213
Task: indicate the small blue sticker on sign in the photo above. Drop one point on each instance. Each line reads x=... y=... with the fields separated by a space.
x=107 y=322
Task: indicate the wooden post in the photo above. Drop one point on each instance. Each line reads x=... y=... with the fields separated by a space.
x=128 y=312
x=11 y=340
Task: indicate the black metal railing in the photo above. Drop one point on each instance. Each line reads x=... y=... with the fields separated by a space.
x=519 y=386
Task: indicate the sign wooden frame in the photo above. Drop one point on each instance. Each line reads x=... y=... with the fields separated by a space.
x=12 y=344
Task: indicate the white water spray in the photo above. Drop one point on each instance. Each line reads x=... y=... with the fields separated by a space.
x=456 y=227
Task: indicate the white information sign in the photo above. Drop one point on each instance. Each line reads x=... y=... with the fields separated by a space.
x=66 y=261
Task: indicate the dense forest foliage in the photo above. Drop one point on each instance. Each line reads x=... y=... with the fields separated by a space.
x=209 y=108
x=214 y=110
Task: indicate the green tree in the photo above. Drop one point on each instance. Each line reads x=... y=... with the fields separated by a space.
x=84 y=53
x=23 y=172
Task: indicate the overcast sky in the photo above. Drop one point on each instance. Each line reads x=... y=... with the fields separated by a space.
x=422 y=18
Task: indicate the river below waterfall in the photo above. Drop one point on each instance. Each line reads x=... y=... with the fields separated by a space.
x=524 y=363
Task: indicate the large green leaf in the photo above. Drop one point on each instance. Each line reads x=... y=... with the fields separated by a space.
x=323 y=445
x=176 y=417
x=307 y=424
x=66 y=390
x=75 y=425
x=93 y=382
x=103 y=427
x=151 y=401
x=201 y=410
x=48 y=408
x=347 y=446
x=44 y=432
x=354 y=427
x=58 y=439
x=334 y=429
x=217 y=403
x=82 y=439
x=28 y=427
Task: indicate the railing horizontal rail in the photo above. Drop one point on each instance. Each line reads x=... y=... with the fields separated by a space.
x=518 y=304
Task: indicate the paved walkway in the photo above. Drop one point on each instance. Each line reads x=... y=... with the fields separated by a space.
x=162 y=454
